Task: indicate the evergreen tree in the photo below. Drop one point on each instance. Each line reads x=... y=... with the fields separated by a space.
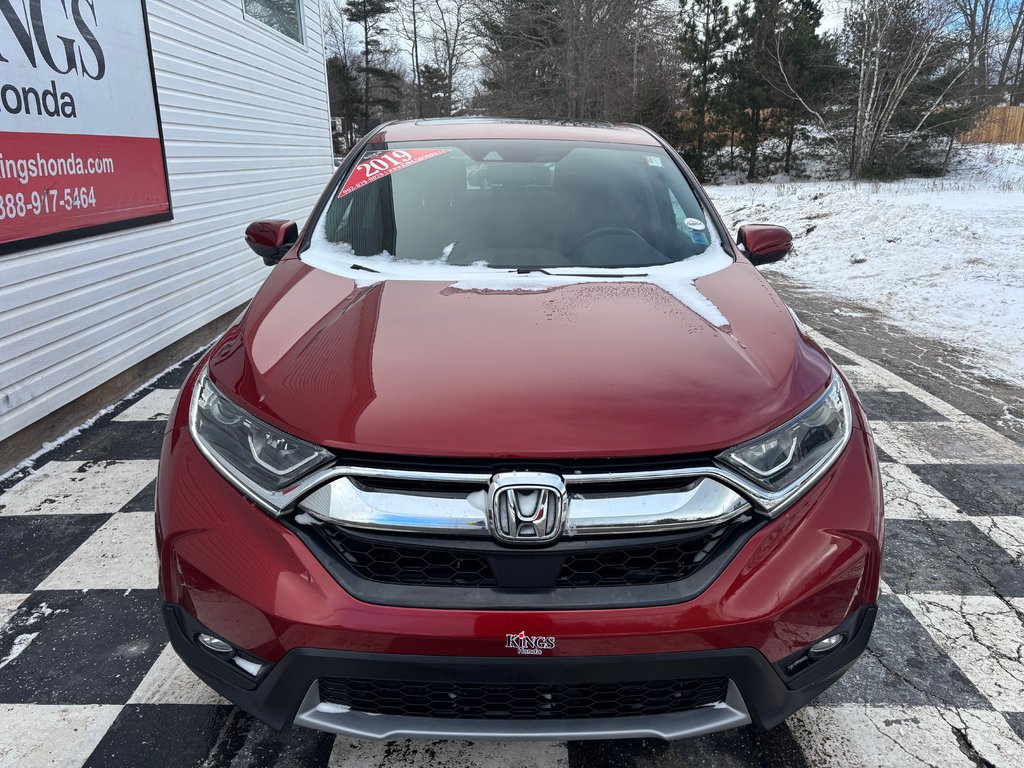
x=523 y=47
x=433 y=85
x=343 y=91
x=705 y=34
x=369 y=15
x=657 y=102
x=802 y=63
x=749 y=98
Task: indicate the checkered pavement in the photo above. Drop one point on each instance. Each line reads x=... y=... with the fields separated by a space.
x=87 y=677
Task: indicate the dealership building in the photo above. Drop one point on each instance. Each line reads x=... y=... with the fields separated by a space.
x=137 y=140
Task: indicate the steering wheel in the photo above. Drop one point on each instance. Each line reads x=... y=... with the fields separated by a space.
x=603 y=232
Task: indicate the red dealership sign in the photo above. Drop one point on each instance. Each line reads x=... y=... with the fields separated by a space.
x=81 y=147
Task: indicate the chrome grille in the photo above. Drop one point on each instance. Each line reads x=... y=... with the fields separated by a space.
x=457 y=504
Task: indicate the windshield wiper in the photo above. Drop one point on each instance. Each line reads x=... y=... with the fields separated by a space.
x=365 y=269
x=528 y=270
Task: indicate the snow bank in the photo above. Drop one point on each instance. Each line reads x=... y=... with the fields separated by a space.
x=943 y=257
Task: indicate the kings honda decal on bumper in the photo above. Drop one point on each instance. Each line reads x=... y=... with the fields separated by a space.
x=529 y=645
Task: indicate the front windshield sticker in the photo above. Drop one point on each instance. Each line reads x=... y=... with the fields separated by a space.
x=696 y=230
x=384 y=164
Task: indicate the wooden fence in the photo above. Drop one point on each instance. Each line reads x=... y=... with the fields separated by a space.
x=1002 y=125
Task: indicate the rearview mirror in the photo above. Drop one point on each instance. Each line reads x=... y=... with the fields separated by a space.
x=764 y=243
x=271 y=239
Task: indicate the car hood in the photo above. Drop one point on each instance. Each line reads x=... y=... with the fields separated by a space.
x=609 y=368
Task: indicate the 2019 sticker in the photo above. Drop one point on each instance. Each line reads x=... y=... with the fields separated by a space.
x=384 y=164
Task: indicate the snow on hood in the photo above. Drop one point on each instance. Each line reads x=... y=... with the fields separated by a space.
x=677 y=279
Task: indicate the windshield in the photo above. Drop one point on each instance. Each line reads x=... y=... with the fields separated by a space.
x=516 y=204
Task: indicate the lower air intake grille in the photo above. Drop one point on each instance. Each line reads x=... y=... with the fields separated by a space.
x=402 y=564
x=657 y=564
x=608 y=562
x=523 y=701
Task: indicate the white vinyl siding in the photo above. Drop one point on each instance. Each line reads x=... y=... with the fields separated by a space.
x=247 y=136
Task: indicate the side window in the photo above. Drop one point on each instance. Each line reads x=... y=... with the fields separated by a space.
x=283 y=15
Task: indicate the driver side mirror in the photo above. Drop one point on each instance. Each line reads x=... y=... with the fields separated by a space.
x=271 y=238
x=764 y=243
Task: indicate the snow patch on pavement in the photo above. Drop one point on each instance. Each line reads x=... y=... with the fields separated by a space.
x=21 y=642
x=42 y=611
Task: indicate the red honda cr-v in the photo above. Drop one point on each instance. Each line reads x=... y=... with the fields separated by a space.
x=514 y=442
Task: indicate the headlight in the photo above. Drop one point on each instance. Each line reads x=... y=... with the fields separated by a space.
x=800 y=447
x=248 y=451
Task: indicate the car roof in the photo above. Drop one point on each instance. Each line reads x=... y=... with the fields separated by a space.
x=446 y=128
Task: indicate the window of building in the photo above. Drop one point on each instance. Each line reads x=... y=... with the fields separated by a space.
x=282 y=15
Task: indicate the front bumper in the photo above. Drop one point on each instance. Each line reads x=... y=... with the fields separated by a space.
x=255 y=583
x=229 y=569
x=288 y=691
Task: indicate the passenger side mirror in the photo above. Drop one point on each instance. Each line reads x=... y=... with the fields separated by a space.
x=764 y=243
x=271 y=239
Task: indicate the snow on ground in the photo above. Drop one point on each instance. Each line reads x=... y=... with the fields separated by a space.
x=942 y=257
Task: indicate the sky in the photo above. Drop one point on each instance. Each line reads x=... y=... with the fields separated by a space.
x=832 y=19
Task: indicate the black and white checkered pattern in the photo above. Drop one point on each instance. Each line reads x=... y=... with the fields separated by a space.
x=87 y=677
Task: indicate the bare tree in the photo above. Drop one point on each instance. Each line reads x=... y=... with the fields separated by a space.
x=994 y=39
x=573 y=59
x=894 y=41
x=1010 y=78
x=979 y=19
x=598 y=43
x=408 y=26
x=338 y=32
x=451 y=43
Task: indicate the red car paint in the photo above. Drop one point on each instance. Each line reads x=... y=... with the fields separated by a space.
x=620 y=369
x=595 y=370
x=240 y=572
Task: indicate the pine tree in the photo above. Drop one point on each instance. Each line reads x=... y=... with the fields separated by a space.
x=433 y=92
x=523 y=45
x=705 y=34
x=749 y=98
x=343 y=91
x=369 y=14
x=802 y=62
